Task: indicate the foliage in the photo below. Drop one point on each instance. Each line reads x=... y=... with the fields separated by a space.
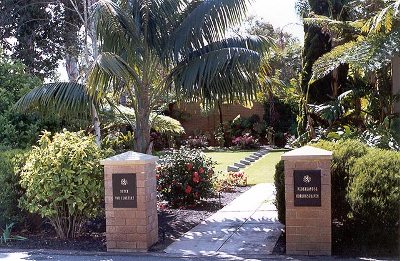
x=200 y=141
x=185 y=176
x=118 y=141
x=43 y=31
x=374 y=194
x=6 y=235
x=280 y=115
x=345 y=154
x=11 y=162
x=279 y=182
x=63 y=181
x=229 y=181
x=242 y=125
x=219 y=136
x=246 y=141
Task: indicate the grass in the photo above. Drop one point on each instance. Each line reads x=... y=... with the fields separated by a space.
x=226 y=158
x=263 y=170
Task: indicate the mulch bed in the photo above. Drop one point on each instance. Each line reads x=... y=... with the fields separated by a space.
x=173 y=223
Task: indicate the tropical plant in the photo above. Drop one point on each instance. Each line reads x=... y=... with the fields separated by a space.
x=6 y=235
x=147 y=47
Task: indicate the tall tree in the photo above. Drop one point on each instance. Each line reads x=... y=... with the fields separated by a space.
x=148 y=47
x=40 y=33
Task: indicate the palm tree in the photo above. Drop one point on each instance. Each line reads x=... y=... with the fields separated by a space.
x=149 y=47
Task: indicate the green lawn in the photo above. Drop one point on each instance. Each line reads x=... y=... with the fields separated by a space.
x=261 y=171
x=226 y=158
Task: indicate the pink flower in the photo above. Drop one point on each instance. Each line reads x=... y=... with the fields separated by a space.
x=196 y=177
x=188 y=189
x=189 y=166
x=201 y=170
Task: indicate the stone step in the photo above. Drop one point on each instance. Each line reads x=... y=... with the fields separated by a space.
x=233 y=168
x=258 y=154
x=245 y=162
x=240 y=165
x=250 y=159
x=255 y=156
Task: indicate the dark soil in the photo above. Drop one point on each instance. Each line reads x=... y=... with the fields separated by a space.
x=173 y=223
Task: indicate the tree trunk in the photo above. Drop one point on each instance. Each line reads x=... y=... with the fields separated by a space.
x=71 y=65
x=142 y=130
x=396 y=83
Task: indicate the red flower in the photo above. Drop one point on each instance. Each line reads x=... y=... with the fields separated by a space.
x=189 y=166
x=188 y=189
x=157 y=176
x=201 y=170
x=196 y=177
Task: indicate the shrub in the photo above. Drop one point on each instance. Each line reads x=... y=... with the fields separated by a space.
x=185 y=176
x=345 y=153
x=63 y=181
x=228 y=182
x=374 y=195
x=197 y=142
x=10 y=162
x=279 y=182
x=245 y=141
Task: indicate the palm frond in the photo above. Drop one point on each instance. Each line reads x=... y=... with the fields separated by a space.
x=110 y=73
x=116 y=29
x=160 y=123
x=227 y=74
x=63 y=97
x=207 y=22
x=384 y=21
x=335 y=26
x=370 y=53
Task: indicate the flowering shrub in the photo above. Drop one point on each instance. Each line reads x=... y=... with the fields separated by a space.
x=245 y=141
x=185 y=176
x=200 y=141
x=230 y=181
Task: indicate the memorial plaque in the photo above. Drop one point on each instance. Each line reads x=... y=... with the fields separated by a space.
x=307 y=188
x=124 y=190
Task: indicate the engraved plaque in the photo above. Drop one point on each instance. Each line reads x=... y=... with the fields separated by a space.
x=307 y=188
x=124 y=190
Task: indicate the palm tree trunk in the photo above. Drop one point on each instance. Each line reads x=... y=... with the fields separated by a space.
x=142 y=130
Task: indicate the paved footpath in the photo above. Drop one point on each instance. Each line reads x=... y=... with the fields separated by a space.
x=247 y=226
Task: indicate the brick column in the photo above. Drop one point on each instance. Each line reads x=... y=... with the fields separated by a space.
x=308 y=201
x=130 y=202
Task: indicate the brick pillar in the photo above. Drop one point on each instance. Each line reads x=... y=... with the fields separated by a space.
x=308 y=201
x=130 y=202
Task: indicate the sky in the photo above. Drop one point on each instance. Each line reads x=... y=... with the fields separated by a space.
x=280 y=13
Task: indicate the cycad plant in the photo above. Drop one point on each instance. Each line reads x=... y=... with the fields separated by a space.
x=149 y=47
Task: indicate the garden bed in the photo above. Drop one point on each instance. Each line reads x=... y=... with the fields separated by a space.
x=173 y=223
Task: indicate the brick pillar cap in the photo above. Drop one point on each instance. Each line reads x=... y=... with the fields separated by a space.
x=307 y=153
x=129 y=158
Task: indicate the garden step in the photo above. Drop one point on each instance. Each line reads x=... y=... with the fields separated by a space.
x=240 y=165
x=245 y=162
x=255 y=156
x=250 y=159
x=233 y=168
x=263 y=152
x=258 y=154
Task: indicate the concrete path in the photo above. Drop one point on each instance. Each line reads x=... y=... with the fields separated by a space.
x=247 y=226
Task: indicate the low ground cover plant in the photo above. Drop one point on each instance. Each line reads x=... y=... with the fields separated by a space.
x=63 y=181
x=230 y=180
x=185 y=176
